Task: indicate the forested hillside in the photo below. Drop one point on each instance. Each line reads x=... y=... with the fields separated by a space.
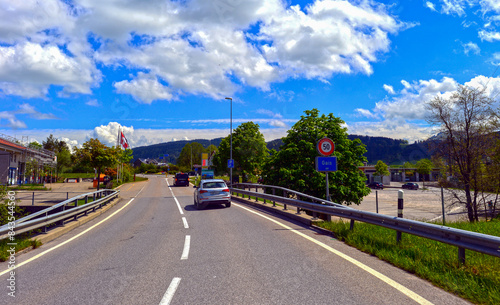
x=173 y=149
x=391 y=151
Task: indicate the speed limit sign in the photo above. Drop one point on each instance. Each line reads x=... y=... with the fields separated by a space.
x=325 y=146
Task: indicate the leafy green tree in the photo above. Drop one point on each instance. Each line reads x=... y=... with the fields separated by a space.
x=381 y=169
x=424 y=167
x=406 y=167
x=60 y=148
x=35 y=145
x=54 y=144
x=63 y=160
x=249 y=151
x=32 y=168
x=190 y=155
x=293 y=166
x=97 y=155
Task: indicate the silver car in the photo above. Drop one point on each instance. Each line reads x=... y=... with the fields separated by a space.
x=212 y=191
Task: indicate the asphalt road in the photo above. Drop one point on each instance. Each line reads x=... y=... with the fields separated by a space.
x=158 y=249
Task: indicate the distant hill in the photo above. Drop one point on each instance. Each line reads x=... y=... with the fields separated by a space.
x=173 y=149
x=391 y=151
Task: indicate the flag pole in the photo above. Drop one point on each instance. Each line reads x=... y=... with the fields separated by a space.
x=118 y=140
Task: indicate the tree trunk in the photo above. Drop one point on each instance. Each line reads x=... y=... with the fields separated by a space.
x=468 y=204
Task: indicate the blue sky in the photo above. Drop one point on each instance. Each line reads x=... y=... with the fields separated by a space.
x=161 y=70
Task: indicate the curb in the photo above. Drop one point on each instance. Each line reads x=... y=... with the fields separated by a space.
x=59 y=231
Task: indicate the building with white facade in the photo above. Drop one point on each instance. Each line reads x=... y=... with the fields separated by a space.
x=20 y=164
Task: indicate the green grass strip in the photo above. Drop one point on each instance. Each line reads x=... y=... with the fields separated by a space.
x=21 y=242
x=477 y=281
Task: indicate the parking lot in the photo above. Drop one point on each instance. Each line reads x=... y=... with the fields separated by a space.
x=421 y=204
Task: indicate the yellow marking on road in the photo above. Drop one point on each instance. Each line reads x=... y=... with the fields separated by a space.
x=414 y=296
x=69 y=240
x=131 y=186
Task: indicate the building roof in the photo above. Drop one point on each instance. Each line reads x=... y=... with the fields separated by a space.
x=12 y=145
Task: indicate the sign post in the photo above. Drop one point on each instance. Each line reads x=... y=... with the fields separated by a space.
x=327 y=164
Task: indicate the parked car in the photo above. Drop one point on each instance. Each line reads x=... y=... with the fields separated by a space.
x=410 y=186
x=376 y=185
x=181 y=179
x=211 y=191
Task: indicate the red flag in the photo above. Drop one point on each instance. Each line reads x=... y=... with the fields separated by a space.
x=124 y=141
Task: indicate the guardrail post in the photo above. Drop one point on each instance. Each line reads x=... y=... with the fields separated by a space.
x=33 y=199
x=264 y=191
x=352 y=225
x=67 y=195
x=376 y=201
x=274 y=193
x=442 y=206
x=400 y=212
x=461 y=255
x=256 y=190
x=285 y=195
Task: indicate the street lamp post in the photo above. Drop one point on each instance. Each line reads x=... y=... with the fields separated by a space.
x=231 y=151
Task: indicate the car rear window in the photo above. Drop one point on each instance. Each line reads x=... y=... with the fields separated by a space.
x=182 y=176
x=213 y=185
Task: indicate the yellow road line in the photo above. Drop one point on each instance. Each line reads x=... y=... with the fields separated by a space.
x=414 y=296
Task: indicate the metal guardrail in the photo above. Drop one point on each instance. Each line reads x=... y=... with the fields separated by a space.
x=37 y=220
x=463 y=239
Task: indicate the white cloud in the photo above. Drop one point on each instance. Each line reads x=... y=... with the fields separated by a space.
x=136 y=137
x=366 y=113
x=13 y=122
x=404 y=113
x=145 y=89
x=272 y=122
x=471 y=47
x=28 y=69
x=430 y=6
x=489 y=36
x=93 y=103
x=24 y=109
x=108 y=134
x=389 y=89
x=454 y=7
x=199 y=47
x=488 y=10
x=28 y=109
x=395 y=129
x=410 y=102
x=325 y=38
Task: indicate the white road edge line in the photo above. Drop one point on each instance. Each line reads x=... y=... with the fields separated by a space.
x=67 y=241
x=185 y=251
x=169 y=294
x=414 y=296
x=176 y=201
x=186 y=226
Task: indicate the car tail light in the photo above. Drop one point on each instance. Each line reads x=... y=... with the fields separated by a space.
x=202 y=191
x=225 y=190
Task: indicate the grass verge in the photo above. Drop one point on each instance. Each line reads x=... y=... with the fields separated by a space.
x=29 y=187
x=22 y=242
x=477 y=281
